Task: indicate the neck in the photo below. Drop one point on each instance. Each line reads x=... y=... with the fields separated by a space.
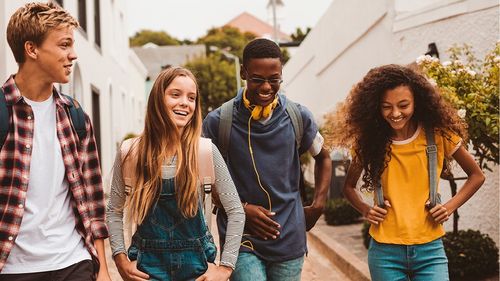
x=406 y=132
x=32 y=85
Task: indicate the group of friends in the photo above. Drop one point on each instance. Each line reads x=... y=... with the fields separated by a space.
x=54 y=217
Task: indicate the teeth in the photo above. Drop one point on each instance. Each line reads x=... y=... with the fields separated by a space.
x=183 y=113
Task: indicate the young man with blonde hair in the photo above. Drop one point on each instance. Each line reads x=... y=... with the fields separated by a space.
x=52 y=223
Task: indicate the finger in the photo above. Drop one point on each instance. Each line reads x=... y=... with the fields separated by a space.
x=266 y=217
x=136 y=272
x=201 y=278
x=374 y=213
x=379 y=210
x=386 y=202
x=266 y=230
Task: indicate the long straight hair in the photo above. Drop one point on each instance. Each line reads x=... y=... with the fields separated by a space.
x=159 y=139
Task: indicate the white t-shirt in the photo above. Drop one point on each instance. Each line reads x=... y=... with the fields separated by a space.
x=47 y=238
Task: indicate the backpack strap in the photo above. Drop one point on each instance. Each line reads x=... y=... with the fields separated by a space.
x=431 y=151
x=77 y=117
x=298 y=126
x=225 y=124
x=4 y=118
x=206 y=176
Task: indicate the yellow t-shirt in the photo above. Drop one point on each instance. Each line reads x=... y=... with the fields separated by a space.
x=405 y=183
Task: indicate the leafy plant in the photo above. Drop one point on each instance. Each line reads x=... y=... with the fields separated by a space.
x=471 y=255
x=340 y=212
x=365 y=233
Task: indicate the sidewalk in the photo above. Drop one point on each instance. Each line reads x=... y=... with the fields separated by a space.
x=343 y=245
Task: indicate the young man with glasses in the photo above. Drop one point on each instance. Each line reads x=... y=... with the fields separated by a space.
x=262 y=152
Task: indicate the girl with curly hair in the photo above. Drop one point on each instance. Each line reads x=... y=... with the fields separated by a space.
x=387 y=116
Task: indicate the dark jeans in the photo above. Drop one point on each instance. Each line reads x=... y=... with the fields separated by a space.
x=82 y=271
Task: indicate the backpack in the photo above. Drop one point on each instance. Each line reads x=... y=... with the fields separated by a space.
x=76 y=114
x=206 y=174
x=431 y=151
x=226 y=122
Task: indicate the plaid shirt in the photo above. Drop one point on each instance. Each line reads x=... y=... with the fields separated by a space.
x=81 y=164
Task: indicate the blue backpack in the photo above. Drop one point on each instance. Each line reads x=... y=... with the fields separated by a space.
x=76 y=114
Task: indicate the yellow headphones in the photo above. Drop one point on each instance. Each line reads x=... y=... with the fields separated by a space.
x=258 y=111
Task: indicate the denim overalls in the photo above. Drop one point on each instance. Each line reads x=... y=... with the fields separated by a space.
x=168 y=246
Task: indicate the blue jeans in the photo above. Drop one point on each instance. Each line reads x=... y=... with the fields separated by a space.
x=252 y=268
x=424 y=262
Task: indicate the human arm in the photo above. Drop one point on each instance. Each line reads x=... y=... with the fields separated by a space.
x=322 y=178
x=475 y=178
x=103 y=274
x=372 y=214
x=114 y=211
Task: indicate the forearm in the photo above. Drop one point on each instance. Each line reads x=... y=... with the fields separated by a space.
x=322 y=178
x=101 y=255
x=473 y=183
x=353 y=196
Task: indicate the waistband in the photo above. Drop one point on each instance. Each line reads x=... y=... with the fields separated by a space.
x=157 y=244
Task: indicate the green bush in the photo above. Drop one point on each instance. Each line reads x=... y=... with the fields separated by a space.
x=471 y=255
x=365 y=234
x=340 y=212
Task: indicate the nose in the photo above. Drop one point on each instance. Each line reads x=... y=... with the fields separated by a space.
x=72 y=55
x=396 y=112
x=266 y=85
x=183 y=101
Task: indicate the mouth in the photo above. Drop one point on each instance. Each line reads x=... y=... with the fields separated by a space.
x=68 y=67
x=397 y=120
x=180 y=113
x=265 y=96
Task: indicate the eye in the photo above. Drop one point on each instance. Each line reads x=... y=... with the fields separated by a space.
x=275 y=81
x=257 y=80
x=386 y=107
x=192 y=98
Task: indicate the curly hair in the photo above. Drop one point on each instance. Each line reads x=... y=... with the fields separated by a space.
x=261 y=48
x=364 y=128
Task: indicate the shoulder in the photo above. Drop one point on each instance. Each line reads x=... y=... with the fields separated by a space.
x=128 y=145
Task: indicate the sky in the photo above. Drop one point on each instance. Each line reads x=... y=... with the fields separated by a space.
x=190 y=19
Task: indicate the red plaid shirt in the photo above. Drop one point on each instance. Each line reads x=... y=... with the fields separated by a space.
x=81 y=163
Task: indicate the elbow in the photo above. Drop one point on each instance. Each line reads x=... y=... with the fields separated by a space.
x=481 y=178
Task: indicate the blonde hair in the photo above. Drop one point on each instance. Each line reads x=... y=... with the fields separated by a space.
x=32 y=22
x=161 y=136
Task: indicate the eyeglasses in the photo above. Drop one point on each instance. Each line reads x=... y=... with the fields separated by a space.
x=260 y=81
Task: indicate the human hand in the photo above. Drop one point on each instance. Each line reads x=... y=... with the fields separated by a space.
x=216 y=273
x=103 y=276
x=376 y=214
x=439 y=213
x=312 y=214
x=259 y=222
x=128 y=269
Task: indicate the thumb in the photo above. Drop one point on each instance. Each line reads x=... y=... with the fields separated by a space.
x=386 y=202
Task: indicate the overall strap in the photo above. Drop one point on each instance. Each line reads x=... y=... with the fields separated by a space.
x=4 y=118
x=77 y=117
x=225 y=124
x=206 y=175
x=298 y=126
x=431 y=150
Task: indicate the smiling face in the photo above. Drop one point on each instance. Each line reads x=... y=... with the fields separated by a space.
x=180 y=99
x=397 y=108
x=55 y=56
x=260 y=92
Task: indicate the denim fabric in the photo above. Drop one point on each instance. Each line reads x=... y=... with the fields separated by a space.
x=423 y=262
x=249 y=267
x=168 y=246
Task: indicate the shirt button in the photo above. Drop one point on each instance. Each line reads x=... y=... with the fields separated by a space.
x=10 y=238
x=25 y=177
x=28 y=146
x=20 y=206
x=29 y=117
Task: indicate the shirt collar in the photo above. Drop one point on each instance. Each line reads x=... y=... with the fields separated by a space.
x=13 y=95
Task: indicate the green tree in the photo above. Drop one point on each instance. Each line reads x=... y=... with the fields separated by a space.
x=227 y=38
x=472 y=86
x=216 y=80
x=300 y=35
x=160 y=38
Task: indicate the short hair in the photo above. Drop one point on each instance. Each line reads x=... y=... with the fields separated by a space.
x=261 y=48
x=32 y=22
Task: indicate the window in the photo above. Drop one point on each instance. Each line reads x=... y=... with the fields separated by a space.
x=59 y=2
x=97 y=23
x=82 y=14
x=96 y=117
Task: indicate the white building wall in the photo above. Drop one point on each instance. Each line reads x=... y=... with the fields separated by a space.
x=118 y=76
x=354 y=36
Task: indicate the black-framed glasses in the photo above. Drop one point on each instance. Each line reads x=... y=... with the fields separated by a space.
x=260 y=81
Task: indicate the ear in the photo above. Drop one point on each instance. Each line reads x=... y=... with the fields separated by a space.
x=242 y=72
x=31 y=50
